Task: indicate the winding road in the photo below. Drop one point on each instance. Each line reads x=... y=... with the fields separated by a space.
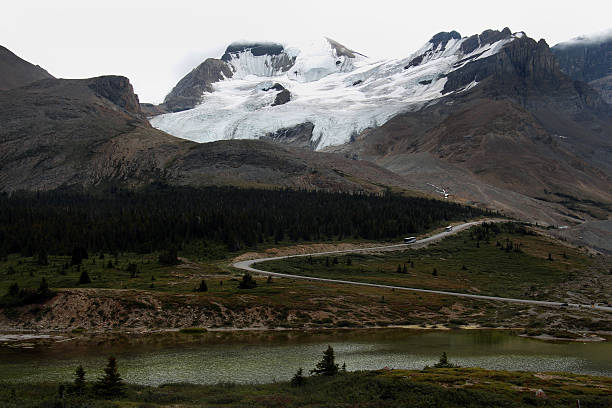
x=248 y=266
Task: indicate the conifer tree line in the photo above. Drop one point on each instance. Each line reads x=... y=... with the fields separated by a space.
x=162 y=217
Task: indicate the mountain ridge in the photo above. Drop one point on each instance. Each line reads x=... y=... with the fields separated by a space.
x=92 y=133
x=17 y=72
x=340 y=95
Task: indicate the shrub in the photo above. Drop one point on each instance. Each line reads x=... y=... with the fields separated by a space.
x=298 y=379
x=247 y=282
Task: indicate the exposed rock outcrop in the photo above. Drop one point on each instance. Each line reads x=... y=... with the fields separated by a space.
x=443 y=38
x=257 y=49
x=521 y=59
x=188 y=91
x=341 y=50
x=118 y=90
x=299 y=136
x=150 y=110
x=282 y=98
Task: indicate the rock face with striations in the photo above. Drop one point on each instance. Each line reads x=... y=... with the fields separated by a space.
x=523 y=59
x=188 y=91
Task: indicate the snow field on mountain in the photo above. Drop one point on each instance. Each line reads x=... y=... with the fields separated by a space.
x=341 y=96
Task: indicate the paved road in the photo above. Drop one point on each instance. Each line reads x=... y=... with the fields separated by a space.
x=248 y=266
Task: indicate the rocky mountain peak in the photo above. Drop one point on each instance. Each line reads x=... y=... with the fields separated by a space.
x=518 y=58
x=443 y=38
x=118 y=90
x=188 y=91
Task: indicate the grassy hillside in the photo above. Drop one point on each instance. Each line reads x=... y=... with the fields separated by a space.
x=501 y=260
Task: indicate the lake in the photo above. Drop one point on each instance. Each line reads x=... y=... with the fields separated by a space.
x=258 y=357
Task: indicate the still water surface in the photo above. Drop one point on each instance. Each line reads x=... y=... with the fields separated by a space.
x=250 y=357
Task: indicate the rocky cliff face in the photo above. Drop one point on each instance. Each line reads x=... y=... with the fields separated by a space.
x=118 y=90
x=16 y=72
x=588 y=60
x=584 y=59
x=188 y=91
x=522 y=59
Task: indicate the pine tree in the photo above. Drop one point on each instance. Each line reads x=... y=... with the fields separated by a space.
x=435 y=272
x=78 y=386
x=298 y=379
x=110 y=384
x=327 y=365
x=43 y=288
x=399 y=269
x=444 y=363
x=42 y=257
x=78 y=254
x=13 y=289
x=203 y=287
x=84 y=278
x=405 y=270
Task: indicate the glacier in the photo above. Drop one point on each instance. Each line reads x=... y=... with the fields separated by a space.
x=340 y=93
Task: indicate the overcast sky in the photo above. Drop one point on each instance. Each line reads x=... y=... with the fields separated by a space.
x=155 y=43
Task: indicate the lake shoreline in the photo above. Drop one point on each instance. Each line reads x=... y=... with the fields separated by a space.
x=9 y=338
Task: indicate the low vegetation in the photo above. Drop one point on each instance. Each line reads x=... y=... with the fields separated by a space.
x=507 y=260
x=200 y=292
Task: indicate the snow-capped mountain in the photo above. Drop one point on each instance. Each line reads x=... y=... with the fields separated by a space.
x=328 y=92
